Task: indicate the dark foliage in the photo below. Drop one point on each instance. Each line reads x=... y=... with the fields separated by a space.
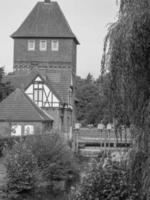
x=93 y=105
x=7 y=143
x=5 y=87
x=127 y=59
x=40 y=161
x=109 y=182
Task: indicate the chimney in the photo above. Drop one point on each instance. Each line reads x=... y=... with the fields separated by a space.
x=47 y=1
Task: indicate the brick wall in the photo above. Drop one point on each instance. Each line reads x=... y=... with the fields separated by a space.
x=67 y=119
x=74 y=56
x=55 y=113
x=67 y=50
x=5 y=127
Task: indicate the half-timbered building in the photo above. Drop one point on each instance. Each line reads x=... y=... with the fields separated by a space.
x=45 y=63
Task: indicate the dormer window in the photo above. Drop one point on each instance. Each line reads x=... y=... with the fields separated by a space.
x=55 y=45
x=43 y=45
x=31 y=45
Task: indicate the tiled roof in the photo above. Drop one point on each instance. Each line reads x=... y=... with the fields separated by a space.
x=45 y=20
x=61 y=81
x=20 y=80
x=58 y=81
x=19 y=107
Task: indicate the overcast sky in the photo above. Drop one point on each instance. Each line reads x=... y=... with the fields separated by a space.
x=88 y=19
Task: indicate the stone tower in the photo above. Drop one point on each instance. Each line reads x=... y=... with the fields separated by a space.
x=45 y=40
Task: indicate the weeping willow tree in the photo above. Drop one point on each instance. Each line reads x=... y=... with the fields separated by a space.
x=127 y=59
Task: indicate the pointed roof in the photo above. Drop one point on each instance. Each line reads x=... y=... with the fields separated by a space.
x=46 y=82
x=20 y=79
x=61 y=82
x=57 y=81
x=46 y=20
x=20 y=108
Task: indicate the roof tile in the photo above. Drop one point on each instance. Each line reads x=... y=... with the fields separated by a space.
x=19 y=107
x=45 y=20
x=58 y=81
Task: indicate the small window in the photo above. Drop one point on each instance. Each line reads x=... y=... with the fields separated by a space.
x=28 y=130
x=31 y=45
x=43 y=45
x=16 y=130
x=55 y=45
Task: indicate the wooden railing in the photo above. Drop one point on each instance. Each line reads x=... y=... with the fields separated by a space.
x=96 y=140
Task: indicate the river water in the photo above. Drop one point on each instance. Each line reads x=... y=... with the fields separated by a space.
x=40 y=196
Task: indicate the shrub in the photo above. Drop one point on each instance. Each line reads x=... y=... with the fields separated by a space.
x=106 y=182
x=55 y=159
x=40 y=159
x=21 y=167
x=7 y=142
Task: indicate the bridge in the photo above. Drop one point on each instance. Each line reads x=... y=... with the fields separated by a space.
x=89 y=142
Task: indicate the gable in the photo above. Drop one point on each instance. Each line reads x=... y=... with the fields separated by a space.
x=41 y=94
x=19 y=107
x=58 y=81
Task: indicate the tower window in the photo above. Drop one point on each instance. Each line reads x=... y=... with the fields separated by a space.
x=43 y=45
x=31 y=45
x=54 y=45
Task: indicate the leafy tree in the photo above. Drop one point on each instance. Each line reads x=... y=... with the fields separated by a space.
x=93 y=98
x=103 y=83
x=79 y=82
x=5 y=87
x=89 y=79
x=127 y=58
x=89 y=100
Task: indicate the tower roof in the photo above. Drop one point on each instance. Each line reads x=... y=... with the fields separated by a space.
x=46 y=20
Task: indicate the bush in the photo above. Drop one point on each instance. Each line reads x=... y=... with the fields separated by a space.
x=40 y=159
x=21 y=167
x=106 y=182
x=7 y=142
x=56 y=161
